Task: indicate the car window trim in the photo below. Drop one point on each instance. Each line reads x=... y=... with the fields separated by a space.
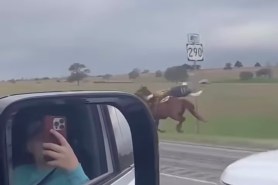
x=111 y=137
x=119 y=145
x=108 y=152
x=120 y=172
x=8 y=146
x=115 y=174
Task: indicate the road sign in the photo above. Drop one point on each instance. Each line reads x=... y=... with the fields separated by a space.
x=195 y=52
x=193 y=38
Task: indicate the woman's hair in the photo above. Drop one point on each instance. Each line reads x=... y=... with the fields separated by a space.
x=26 y=126
x=34 y=128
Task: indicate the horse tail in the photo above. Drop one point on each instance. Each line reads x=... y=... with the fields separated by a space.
x=191 y=108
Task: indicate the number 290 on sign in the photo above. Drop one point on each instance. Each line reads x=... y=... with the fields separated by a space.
x=195 y=52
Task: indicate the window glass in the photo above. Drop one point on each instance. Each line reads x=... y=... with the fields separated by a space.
x=122 y=136
x=125 y=130
x=84 y=143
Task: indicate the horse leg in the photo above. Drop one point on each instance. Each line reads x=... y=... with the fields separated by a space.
x=177 y=114
x=158 y=129
x=179 y=125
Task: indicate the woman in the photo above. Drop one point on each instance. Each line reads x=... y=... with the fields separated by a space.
x=63 y=169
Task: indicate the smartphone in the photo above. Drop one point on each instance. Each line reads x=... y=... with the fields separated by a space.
x=58 y=123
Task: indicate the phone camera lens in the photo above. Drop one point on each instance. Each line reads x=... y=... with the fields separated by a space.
x=62 y=121
x=56 y=124
x=62 y=126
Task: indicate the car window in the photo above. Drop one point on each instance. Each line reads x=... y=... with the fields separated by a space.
x=86 y=135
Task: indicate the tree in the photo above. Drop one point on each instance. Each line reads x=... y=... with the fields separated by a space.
x=258 y=64
x=238 y=64
x=246 y=75
x=158 y=74
x=265 y=72
x=134 y=74
x=137 y=70
x=145 y=71
x=198 y=67
x=176 y=73
x=13 y=81
x=228 y=66
x=78 y=72
x=188 y=67
x=107 y=77
x=45 y=78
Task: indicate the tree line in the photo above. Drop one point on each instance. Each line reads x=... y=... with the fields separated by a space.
x=238 y=64
x=179 y=73
x=175 y=73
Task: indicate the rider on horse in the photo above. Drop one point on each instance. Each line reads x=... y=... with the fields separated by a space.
x=166 y=103
x=177 y=91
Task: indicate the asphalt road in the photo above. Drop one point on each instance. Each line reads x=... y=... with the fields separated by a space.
x=188 y=164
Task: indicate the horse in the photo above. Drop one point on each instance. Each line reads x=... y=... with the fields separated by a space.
x=166 y=104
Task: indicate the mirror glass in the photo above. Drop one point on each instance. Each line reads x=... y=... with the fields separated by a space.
x=70 y=141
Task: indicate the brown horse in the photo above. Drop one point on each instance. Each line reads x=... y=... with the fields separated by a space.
x=169 y=106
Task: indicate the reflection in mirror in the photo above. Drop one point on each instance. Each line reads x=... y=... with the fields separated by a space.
x=68 y=142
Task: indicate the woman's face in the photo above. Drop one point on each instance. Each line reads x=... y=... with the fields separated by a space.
x=34 y=146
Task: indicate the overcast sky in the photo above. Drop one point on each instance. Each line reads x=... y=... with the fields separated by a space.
x=43 y=37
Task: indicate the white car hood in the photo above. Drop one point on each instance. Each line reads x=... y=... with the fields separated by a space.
x=257 y=169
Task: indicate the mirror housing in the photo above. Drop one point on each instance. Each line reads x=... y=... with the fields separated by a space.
x=141 y=123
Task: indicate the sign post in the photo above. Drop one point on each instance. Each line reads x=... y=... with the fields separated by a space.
x=194 y=53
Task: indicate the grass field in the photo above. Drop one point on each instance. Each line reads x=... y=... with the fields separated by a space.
x=237 y=113
x=254 y=80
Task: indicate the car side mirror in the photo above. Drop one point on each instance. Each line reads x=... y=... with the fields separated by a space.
x=77 y=105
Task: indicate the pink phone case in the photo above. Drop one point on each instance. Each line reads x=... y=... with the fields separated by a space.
x=58 y=123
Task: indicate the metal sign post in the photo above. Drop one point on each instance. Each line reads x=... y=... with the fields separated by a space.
x=195 y=53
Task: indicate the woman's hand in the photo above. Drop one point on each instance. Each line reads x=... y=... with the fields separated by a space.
x=63 y=155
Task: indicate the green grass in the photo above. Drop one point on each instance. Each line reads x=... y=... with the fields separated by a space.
x=243 y=127
x=237 y=114
x=254 y=131
x=254 y=80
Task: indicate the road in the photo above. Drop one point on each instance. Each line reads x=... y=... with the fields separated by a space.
x=189 y=164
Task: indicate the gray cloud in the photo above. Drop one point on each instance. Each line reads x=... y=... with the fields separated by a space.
x=42 y=38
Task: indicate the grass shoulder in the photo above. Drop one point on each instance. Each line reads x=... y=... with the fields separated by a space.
x=254 y=80
x=222 y=141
